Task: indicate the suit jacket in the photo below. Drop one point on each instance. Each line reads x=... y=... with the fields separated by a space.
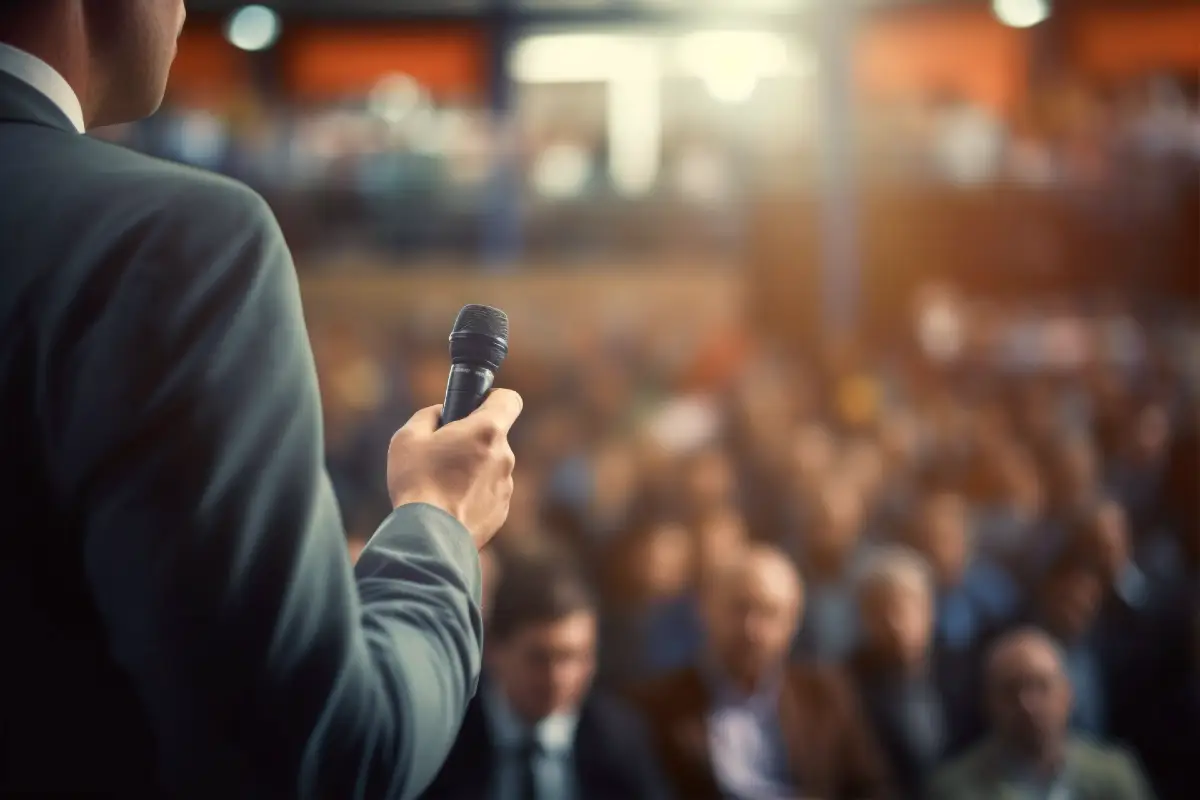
x=179 y=610
x=1096 y=773
x=611 y=756
x=831 y=752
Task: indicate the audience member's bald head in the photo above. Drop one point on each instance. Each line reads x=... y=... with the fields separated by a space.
x=752 y=607
x=1029 y=695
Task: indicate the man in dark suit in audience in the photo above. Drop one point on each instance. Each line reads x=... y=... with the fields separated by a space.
x=918 y=697
x=537 y=730
x=179 y=609
x=744 y=723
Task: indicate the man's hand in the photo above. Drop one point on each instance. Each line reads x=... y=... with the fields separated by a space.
x=464 y=468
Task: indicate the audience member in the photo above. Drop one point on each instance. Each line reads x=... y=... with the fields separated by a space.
x=1031 y=752
x=536 y=729
x=829 y=547
x=896 y=671
x=744 y=723
x=974 y=596
x=1067 y=606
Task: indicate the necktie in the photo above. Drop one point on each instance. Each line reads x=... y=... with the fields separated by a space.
x=527 y=756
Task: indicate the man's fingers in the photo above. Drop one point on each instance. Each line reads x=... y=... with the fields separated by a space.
x=425 y=421
x=501 y=409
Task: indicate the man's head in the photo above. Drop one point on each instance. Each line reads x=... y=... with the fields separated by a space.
x=542 y=636
x=1069 y=598
x=1101 y=536
x=752 y=609
x=895 y=601
x=1029 y=696
x=941 y=534
x=116 y=54
x=837 y=517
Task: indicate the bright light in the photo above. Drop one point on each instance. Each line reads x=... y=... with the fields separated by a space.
x=561 y=172
x=569 y=58
x=395 y=97
x=731 y=63
x=635 y=121
x=253 y=28
x=1021 y=13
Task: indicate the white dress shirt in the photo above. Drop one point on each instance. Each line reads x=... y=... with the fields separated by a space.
x=554 y=769
x=45 y=79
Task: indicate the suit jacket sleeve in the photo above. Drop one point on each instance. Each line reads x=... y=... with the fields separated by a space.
x=183 y=428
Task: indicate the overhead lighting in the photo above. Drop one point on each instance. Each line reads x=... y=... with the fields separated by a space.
x=731 y=63
x=253 y=28
x=1021 y=13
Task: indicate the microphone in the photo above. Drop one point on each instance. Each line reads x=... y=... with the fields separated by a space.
x=478 y=345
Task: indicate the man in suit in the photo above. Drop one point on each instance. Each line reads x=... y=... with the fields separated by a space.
x=744 y=723
x=917 y=696
x=1032 y=754
x=180 y=612
x=537 y=730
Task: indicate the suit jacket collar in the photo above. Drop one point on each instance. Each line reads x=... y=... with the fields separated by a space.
x=21 y=103
x=469 y=770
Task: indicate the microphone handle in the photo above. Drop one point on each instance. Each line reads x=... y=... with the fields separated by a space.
x=466 y=388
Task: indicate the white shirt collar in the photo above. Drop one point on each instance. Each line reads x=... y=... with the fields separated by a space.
x=45 y=79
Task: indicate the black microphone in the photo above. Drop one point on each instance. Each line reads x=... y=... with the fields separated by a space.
x=478 y=345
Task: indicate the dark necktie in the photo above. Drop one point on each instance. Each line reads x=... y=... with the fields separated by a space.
x=527 y=757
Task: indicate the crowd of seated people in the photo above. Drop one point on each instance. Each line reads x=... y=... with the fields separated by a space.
x=885 y=581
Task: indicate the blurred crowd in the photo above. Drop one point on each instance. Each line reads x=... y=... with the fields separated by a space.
x=828 y=574
x=401 y=172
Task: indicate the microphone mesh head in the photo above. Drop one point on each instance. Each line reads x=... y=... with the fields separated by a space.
x=483 y=320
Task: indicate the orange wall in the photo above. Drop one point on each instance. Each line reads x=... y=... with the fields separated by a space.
x=964 y=50
x=207 y=69
x=324 y=62
x=1129 y=42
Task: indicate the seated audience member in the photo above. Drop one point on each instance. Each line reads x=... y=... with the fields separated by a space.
x=1067 y=607
x=1010 y=524
x=746 y=724
x=1135 y=630
x=536 y=730
x=652 y=621
x=917 y=697
x=1031 y=753
x=829 y=548
x=974 y=596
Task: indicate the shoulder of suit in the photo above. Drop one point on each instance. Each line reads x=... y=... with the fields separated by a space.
x=1103 y=758
x=114 y=168
x=964 y=769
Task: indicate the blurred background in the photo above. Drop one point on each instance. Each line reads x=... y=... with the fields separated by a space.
x=941 y=258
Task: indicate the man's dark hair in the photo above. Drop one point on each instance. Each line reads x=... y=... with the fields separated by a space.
x=538 y=589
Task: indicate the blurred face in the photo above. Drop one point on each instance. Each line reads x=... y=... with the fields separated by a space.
x=546 y=669
x=1077 y=470
x=664 y=561
x=812 y=455
x=1110 y=537
x=752 y=613
x=710 y=480
x=897 y=618
x=1151 y=435
x=942 y=536
x=837 y=518
x=1029 y=697
x=720 y=540
x=1071 y=601
x=133 y=43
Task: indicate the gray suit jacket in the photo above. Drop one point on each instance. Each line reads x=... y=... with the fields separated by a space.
x=1093 y=772
x=178 y=612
